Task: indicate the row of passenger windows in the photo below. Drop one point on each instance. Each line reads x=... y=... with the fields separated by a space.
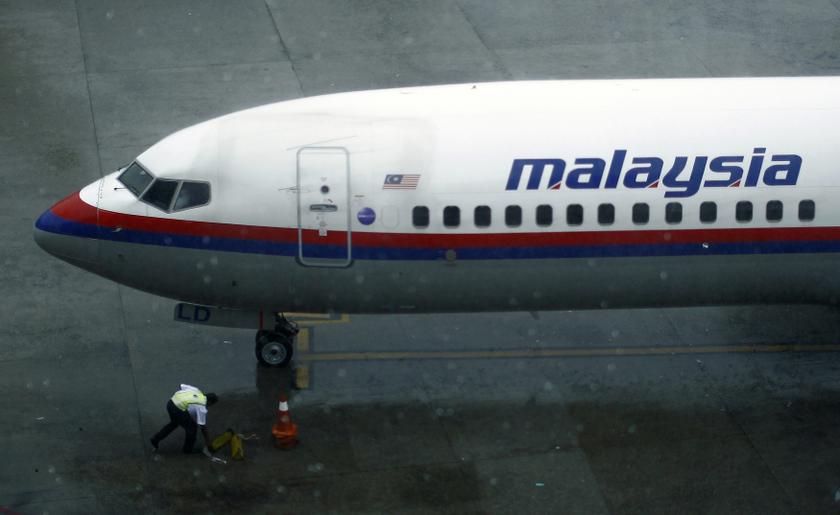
x=640 y=214
x=165 y=194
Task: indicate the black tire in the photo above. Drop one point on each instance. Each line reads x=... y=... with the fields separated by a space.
x=273 y=350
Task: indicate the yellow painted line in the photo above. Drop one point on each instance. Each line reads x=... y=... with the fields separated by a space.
x=310 y=319
x=566 y=353
x=302 y=377
x=309 y=315
x=302 y=342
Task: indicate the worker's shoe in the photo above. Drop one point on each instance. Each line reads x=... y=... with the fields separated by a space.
x=154 y=443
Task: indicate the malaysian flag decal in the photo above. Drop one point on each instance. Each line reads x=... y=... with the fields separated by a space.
x=403 y=181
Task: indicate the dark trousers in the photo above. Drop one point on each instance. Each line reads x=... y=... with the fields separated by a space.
x=178 y=418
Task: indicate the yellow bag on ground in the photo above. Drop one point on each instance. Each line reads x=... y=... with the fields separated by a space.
x=222 y=440
x=237 y=451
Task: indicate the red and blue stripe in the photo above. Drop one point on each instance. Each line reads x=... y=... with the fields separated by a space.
x=74 y=217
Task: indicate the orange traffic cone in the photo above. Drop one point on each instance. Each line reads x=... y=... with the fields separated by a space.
x=284 y=431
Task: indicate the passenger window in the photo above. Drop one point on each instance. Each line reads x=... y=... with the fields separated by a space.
x=743 y=211
x=807 y=210
x=482 y=216
x=708 y=212
x=160 y=194
x=545 y=215
x=641 y=213
x=192 y=194
x=673 y=212
x=136 y=179
x=774 y=210
x=606 y=214
x=451 y=216
x=513 y=216
x=574 y=214
x=420 y=216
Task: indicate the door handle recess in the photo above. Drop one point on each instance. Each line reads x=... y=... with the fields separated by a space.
x=323 y=208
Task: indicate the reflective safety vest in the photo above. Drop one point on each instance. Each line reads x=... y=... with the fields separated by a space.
x=183 y=398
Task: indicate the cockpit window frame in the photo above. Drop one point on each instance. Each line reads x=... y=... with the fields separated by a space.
x=174 y=191
x=150 y=174
x=171 y=207
x=178 y=191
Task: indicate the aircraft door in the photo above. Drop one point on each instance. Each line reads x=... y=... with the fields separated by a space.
x=323 y=186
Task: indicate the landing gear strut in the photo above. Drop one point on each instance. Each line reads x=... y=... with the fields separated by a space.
x=276 y=348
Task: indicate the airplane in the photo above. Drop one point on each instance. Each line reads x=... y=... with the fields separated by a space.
x=501 y=196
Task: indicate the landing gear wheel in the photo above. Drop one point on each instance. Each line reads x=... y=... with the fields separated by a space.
x=273 y=350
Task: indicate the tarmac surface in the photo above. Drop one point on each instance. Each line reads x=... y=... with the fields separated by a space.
x=713 y=410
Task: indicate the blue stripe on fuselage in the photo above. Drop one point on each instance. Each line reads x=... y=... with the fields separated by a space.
x=53 y=223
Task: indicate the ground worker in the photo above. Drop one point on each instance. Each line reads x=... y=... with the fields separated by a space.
x=188 y=409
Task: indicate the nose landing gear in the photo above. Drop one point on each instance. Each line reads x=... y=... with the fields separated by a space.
x=276 y=348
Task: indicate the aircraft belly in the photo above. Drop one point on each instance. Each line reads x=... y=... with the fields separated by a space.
x=242 y=280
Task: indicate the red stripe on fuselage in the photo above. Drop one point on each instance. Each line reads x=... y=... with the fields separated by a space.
x=75 y=209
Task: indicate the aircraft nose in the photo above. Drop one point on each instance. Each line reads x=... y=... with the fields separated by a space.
x=68 y=230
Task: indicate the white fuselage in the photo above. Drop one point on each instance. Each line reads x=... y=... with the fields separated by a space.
x=318 y=204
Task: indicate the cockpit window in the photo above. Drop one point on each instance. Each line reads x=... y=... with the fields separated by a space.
x=192 y=194
x=135 y=178
x=160 y=193
x=165 y=194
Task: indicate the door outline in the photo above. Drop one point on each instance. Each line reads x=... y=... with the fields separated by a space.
x=322 y=208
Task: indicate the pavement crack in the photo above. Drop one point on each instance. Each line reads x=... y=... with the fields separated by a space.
x=283 y=45
x=497 y=61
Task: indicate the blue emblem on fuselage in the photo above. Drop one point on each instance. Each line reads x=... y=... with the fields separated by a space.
x=680 y=177
x=366 y=216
